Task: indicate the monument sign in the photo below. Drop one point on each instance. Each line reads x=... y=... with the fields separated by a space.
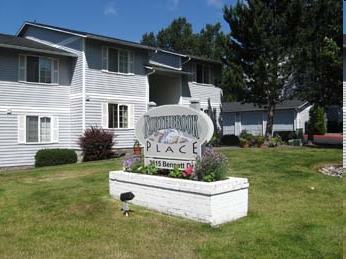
x=173 y=135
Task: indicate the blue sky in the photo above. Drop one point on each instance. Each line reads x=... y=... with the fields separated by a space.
x=124 y=19
x=344 y=18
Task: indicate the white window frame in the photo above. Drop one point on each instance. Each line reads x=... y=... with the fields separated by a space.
x=105 y=115
x=130 y=60
x=22 y=70
x=22 y=129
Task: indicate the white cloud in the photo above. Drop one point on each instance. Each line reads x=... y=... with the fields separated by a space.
x=215 y=3
x=109 y=9
x=173 y=4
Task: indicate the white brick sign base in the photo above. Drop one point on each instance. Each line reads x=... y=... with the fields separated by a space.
x=213 y=203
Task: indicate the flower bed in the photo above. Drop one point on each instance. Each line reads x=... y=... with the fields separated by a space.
x=213 y=203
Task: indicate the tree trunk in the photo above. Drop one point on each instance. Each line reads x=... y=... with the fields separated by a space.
x=270 y=122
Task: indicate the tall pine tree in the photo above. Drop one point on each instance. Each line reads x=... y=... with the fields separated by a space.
x=319 y=55
x=261 y=50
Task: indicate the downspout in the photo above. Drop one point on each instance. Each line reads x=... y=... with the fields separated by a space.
x=83 y=83
x=186 y=61
x=150 y=73
x=148 y=85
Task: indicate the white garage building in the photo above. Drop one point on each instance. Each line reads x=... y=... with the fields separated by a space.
x=290 y=115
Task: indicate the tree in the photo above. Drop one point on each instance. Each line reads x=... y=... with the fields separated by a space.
x=260 y=51
x=319 y=54
x=179 y=37
x=210 y=41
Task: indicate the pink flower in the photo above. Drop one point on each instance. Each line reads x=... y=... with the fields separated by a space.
x=188 y=171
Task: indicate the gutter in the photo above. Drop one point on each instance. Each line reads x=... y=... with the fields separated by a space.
x=186 y=61
x=38 y=50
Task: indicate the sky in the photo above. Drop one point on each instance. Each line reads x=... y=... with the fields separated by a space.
x=123 y=19
x=344 y=18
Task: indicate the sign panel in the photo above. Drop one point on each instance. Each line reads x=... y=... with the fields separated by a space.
x=173 y=134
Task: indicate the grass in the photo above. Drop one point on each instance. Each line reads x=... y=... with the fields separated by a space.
x=66 y=212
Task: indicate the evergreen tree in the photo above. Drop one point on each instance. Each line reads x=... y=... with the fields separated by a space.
x=319 y=55
x=260 y=51
x=179 y=37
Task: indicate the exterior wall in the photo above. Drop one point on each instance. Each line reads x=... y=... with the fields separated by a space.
x=255 y=122
x=109 y=87
x=252 y=122
x=165 y=59
x=23 y=98
x=208 y=95
x=284 y=120
x=303 y=118
x=229 y=120
x=72 y=44
x=165 y=89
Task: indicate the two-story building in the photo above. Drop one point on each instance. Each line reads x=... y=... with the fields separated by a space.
x=56 y=82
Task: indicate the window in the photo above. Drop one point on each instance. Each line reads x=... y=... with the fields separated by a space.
x=202 y=73
x=37 y=129
x=117 y=60
x=118 y=116
x=38 y=69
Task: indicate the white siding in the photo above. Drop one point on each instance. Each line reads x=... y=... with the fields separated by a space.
x=228 y=123
x=104 y=87
x=252 y=122
x=284 y=120
x=15 y=154
x=206 y=93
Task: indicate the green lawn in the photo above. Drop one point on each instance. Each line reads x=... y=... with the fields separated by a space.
x=66 y=212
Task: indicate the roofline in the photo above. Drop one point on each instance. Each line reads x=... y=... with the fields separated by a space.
x=303 y=104
x=112 y=40
x=47 y=27
x=8 y=46
x=254 y=108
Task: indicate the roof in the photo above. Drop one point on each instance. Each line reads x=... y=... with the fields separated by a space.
x=13 y=42
x=88 y=35
x=247 y=107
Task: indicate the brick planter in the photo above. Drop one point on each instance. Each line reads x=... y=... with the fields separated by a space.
x=213 y=203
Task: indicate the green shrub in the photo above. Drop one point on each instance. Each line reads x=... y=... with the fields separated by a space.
x=317 y=120
x=248 y=136
x=96 y=144
x=55 y=156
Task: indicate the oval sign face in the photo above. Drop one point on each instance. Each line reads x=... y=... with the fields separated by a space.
x=173 y=132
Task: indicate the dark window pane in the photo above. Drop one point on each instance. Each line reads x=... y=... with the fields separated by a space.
x=206 y=73
x=199 y=73
x=31 y=129
x=45 y=70
x=113 y=60
x=110 y=116
x=32 y=65
x=45 y=129
x=123 y=116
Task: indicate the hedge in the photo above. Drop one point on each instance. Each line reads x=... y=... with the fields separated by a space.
x=55 y=156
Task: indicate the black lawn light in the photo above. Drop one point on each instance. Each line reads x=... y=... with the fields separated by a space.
x=125 y=197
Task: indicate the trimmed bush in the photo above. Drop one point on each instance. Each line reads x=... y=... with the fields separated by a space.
x=55 y=156
x=96 y=144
